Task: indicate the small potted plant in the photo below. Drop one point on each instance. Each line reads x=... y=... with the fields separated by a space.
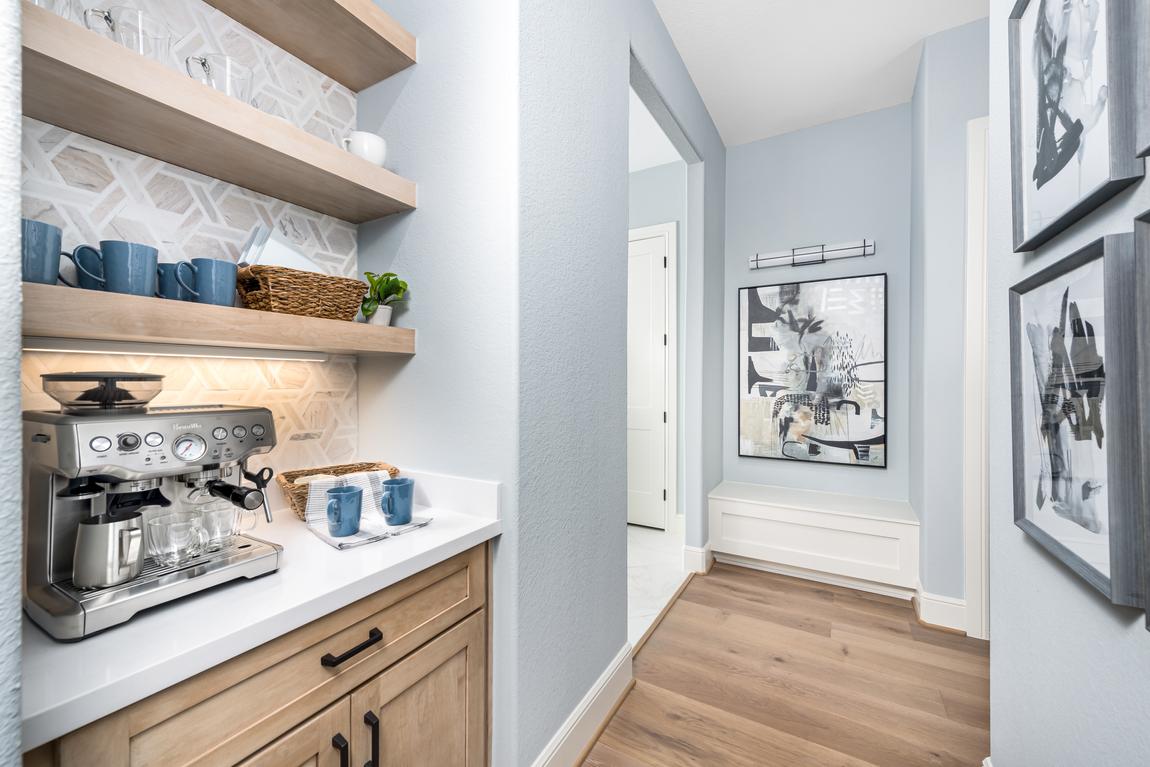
x=383 y=290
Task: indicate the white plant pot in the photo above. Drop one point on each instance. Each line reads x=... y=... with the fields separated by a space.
x=381 y=317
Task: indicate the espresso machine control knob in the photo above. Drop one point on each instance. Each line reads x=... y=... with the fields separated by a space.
x=129 y=441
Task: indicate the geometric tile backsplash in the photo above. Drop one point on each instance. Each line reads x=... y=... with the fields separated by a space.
x=94 y=191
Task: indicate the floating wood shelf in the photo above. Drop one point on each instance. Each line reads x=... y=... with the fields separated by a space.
x=84 y=82
x=351 y=41
x=54 y=311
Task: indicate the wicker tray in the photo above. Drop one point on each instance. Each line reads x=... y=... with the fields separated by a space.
x=293 y=291
x=296 y=495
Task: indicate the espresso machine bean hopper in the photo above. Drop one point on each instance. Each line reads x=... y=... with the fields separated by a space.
x=97 y=470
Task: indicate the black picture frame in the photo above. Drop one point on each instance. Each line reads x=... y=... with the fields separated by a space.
x=1123 y=46
x=740 y=361
x=1123 y=292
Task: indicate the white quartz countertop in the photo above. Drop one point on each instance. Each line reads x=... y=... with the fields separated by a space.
x=68 y=685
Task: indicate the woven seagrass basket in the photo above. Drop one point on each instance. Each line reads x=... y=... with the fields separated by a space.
x=293 y=291
x=296 y=494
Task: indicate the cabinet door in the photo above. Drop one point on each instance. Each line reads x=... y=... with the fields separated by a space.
x=428 y=710
x=315 y=743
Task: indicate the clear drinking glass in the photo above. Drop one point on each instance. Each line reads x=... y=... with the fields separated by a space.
x=223 y=73
x=175 y=538
x=132 y=28
x=220 y=518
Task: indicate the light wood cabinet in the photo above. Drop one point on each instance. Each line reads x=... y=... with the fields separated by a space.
x=321 y=741
x=414 y=655
x=429 y=709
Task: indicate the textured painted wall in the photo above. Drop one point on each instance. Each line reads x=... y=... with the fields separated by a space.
x=1068 y=671
x=450 y=123
x=702 y=270
x=837 y=182
x=10 y=429
x=951 y=90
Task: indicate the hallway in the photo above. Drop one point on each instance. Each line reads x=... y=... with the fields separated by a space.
x=750 y=668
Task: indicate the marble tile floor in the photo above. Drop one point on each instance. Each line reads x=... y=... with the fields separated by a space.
x=654 y=574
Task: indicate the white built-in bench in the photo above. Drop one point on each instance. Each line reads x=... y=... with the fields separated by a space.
x=867 y=543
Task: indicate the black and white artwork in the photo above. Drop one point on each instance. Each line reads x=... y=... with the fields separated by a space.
x=1074 y=377
x=812 y=371
x=1071 y=111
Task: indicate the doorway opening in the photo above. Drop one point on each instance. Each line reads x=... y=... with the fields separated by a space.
x=655 y=524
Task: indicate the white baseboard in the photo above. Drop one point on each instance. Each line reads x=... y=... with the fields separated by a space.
x=697 y=560
x=986 y=762
x=938 y=610
x=575 y=735
x=811 y=575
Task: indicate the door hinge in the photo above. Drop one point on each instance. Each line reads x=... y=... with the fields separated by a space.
x=664 y=339
x=664 y=262
x=664 y=494
x=664 y=416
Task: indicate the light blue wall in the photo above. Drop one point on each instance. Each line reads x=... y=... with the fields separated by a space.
x=837 y=182
x=950 y=91
x=658 y=195
x=451 y=125
x=1069 y=673
x=514 y=124
x=10 y=425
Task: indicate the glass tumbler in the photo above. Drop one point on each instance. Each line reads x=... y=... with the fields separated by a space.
x=175 y=538
x=68 y=9
x=223 y=73
x=132 y=28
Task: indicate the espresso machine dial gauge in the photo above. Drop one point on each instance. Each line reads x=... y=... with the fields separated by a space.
x=189 y=447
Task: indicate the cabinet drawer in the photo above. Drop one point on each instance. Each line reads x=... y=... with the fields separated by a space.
x=229 y=712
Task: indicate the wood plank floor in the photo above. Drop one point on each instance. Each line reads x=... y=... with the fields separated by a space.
x=750 y=668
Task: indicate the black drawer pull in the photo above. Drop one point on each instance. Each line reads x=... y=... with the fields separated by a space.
x=372 y=721
x=331 y=661
x=340 y=742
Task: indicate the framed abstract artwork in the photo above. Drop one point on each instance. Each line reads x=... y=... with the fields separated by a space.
x=1077 y=424
x=812 y=371
x=1073 y=110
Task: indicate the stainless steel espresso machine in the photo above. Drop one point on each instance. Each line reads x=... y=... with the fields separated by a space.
x=103 y=466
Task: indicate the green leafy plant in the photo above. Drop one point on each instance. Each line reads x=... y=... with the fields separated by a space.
x=382 y=290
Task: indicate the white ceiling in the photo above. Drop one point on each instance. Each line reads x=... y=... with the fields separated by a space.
x=648 y=146
x=766 y=67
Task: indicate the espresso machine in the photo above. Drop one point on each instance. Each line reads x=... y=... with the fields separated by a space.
x=100 y=468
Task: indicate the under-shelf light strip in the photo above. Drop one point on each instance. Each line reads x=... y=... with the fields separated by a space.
x=813 y=254
x=94 y=346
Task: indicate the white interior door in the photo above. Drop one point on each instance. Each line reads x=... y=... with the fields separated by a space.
x=647 y=379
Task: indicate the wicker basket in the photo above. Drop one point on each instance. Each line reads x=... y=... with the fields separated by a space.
x=293 y=291
x=296 y=495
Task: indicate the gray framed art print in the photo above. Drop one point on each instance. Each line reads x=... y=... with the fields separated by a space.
x=1073 y=107
x=812 y=371
x=1075 y=391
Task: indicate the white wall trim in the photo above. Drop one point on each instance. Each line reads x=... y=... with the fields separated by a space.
x=568 y=744
x=974 y=431
x=986 y=762
x=819 y=577
x=696 y=559
x=937 y=610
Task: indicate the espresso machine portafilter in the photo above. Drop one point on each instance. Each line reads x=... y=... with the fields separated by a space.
x=99 y=469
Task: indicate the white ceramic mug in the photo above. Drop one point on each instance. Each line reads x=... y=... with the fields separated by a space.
x=366 y=145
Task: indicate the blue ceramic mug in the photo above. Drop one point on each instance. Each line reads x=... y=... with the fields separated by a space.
x=168 y=286
x=343 y=505
x=398 y=498
x=215 y=280
x=40 y=252
x=124 y=267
